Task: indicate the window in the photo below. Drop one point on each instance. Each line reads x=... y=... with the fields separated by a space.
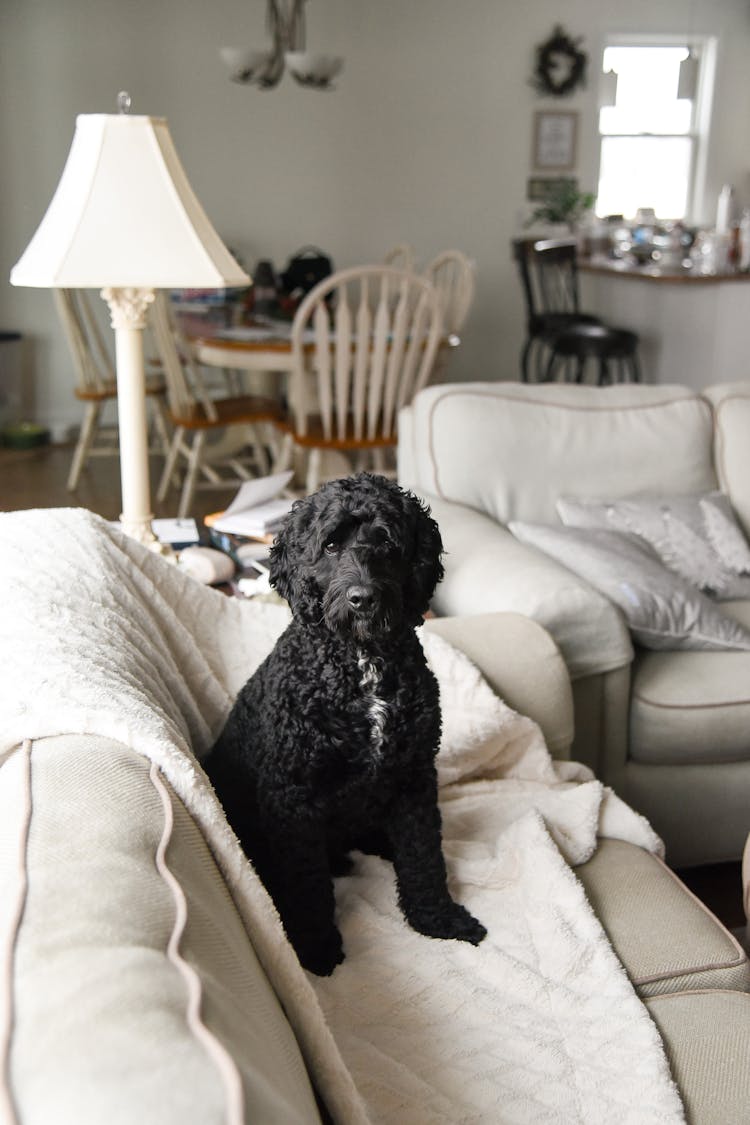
x=651 y=138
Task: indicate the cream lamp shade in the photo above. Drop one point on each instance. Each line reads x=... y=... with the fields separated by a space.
x=125 y=219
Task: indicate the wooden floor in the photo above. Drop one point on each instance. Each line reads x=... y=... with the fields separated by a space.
x=36 y=479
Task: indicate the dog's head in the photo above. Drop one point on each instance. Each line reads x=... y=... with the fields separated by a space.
x=360 y=555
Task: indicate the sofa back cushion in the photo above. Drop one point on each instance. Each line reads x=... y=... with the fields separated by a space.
x=511 y=449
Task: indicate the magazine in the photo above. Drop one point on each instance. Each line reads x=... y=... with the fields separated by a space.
x=257 y=510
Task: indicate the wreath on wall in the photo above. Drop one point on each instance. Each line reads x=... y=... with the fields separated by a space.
x=560 y=65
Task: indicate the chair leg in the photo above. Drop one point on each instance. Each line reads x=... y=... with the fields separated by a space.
x=83 y=445
x=284 y=451
x=525 y=360
x=635 y=368
x=549 y=371
x=169 y=464
x=313 y=470
x=259 y=449
x=193 y=465
x=159 y=419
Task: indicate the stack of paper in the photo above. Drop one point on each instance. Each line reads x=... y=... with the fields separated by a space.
x=257 y=509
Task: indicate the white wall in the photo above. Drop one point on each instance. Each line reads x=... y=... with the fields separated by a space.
x=427 y=138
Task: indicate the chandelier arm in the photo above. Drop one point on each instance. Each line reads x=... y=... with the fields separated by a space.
x=296 y=32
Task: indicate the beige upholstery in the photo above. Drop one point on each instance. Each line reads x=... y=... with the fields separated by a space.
x=652 y=724
x=707 y=1037
x=667 y=939
x=100 y=999
x=513 y=657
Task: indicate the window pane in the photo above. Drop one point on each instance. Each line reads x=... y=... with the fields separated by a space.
x=644 y=172
x=646 y=91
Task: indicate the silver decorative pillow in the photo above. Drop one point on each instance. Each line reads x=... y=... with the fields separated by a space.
x=662 y=610
x=697 y=537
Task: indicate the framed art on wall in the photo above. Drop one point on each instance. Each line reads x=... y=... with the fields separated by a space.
x=555 y=134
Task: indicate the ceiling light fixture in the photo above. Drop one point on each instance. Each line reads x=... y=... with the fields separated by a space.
x=285 y=20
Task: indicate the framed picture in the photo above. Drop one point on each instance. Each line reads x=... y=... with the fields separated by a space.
x=555 y=134
x=540 y=188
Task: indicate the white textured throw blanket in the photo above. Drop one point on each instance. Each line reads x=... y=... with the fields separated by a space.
x=537 y=1024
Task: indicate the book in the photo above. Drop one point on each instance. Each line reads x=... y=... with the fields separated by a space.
x=177 y=532
x=257 y=510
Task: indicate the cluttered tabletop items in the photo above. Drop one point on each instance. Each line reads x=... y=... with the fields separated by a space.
x=670 y=251
x=231 y=550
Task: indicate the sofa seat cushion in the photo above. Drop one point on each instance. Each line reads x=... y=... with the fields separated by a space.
x=665 y=937
x=185 y=1021
x=690 y=708
x=707 y=1040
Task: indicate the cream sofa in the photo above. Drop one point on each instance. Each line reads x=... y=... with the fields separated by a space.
x=668 y=729
x=134 y=985
x=97 y=1026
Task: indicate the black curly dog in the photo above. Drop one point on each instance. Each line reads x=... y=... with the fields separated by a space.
x=331 y=744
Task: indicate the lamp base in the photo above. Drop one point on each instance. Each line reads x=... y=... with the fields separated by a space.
x=140 y=530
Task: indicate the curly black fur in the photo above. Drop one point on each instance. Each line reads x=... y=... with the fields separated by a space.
x=331 y=744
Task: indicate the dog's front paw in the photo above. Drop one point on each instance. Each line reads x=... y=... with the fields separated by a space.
x=451 y=921
x=322 y=957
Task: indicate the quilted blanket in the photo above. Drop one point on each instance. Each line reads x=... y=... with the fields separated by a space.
x=537 y=1024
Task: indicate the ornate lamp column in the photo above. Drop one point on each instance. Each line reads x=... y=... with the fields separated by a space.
x=128 y=309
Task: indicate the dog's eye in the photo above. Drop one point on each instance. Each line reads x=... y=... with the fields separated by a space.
x=331 y=547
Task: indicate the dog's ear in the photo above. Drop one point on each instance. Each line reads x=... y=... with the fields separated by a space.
x=281 y=570
x=425 y=565
x=287 y=571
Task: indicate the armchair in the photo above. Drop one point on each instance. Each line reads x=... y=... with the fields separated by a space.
x=666 y=728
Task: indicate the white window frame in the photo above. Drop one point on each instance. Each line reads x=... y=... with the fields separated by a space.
x=706 y=48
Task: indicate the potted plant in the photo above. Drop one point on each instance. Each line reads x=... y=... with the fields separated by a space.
x=563 y=204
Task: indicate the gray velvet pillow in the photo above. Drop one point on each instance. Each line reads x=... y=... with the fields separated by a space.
x=697 y=537
x=662 y=610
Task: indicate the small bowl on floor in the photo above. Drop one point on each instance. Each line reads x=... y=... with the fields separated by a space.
x=24 y=435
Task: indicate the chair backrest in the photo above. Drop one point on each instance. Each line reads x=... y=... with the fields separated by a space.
x=370 y=352
x=452 y=274
x=401 y=257
x=185 y=385
x=95 y=372
x=549 y=274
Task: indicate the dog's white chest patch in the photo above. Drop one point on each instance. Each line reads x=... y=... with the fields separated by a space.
x=378 y=708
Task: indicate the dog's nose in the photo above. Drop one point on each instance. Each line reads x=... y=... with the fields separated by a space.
x=359 y=597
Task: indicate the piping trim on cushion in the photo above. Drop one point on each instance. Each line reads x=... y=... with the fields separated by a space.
x=216 y=1050
x=16 y=911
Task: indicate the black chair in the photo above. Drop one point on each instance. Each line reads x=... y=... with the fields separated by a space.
x=561 y=338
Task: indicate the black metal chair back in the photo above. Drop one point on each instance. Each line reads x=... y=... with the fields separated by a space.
x=549 y=275
x=559 y=335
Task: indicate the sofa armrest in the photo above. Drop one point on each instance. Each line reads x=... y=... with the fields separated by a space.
x=487 y=569
x=731 y=408
x=522 y=664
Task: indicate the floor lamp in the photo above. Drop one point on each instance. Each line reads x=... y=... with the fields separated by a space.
x=125 y=220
